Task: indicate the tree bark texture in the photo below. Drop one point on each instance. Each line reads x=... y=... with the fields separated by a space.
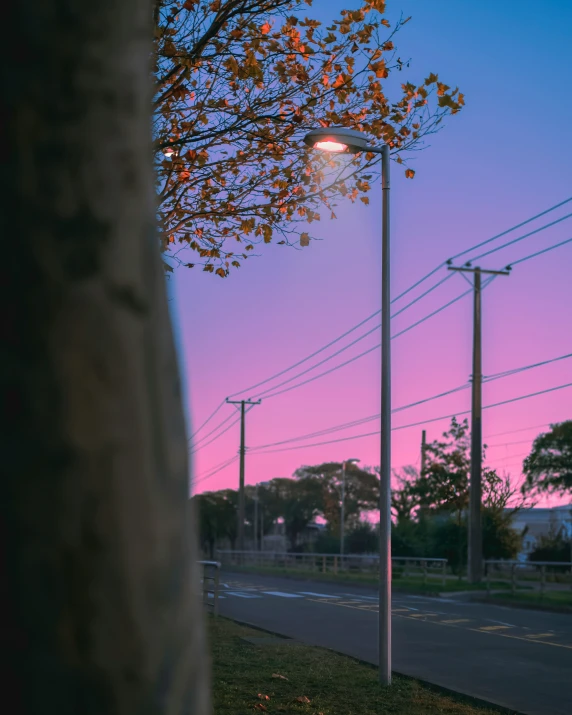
x=98 y=612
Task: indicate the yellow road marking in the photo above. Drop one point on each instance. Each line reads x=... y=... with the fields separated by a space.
x=422 y=615
x=540 y=635
x=397 y=610
x=452 y=624
x=494 y=628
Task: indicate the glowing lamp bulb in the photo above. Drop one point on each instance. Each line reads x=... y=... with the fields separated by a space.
x=330 y=146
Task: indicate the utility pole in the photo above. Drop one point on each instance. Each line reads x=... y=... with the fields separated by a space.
x=242 y=404
x=475 y=552
x=423 y=445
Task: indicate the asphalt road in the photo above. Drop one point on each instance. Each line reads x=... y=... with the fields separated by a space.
x=512 y=657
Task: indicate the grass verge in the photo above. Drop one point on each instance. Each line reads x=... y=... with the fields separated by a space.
x=400 y=583
x=558 y=599
x=313 y=681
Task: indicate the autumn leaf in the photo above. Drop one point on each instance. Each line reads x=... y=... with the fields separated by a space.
x=277 y=675
x=365 y=200
x=263 y=697
x=260 y=706
x=409 y=173
x=302 y=699
x=229 y=101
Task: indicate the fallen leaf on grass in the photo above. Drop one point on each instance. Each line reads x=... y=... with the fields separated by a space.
x=260 y=706
x=303 y=699
x=277 y=675
x=263 y=697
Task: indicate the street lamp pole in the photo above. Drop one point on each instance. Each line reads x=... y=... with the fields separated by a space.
x=338 y=140
x=385 y=461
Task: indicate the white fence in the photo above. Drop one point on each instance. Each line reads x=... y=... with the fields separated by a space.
x=424 y=568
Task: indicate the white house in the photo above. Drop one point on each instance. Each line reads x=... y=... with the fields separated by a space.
x=540 y=522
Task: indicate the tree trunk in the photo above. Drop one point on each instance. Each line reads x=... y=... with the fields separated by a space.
x=97 y=557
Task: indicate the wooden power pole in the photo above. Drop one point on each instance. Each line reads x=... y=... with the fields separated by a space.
x=475 y=552
x=423 y=446
x=242 y=404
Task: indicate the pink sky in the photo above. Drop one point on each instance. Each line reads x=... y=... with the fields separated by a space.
x=504 y=159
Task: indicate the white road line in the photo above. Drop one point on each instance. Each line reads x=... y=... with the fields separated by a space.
x=282 y=594
x=317 y=595
x=242 y=595
x=365 y=598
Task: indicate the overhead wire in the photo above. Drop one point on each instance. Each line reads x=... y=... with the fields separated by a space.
x=401 y=295
x=206 y=421
x=539 y=253
x=370 y=418
x=509 y=230
x=520 y=238
x=423 y=422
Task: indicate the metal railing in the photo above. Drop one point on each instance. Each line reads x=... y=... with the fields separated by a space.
x=548 y=575
x=210 y=582
x=407 y=567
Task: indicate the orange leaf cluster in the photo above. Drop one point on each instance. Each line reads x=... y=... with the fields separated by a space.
x=238 y=83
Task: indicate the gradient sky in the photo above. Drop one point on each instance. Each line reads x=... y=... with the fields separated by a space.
x=506 y=157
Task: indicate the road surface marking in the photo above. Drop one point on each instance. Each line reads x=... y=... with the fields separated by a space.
x=398 y=610
x=243 y=595
x=541 y=635
x=343 y=605
x=365 y=598
x=422 y=615
x=456 y=620
x=282 y=594
x=317 y=595
x=493 y=628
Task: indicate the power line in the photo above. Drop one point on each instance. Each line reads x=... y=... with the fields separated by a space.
x=362 y=337
x=206 y=421
x=509 y=230
x=364 y=420
x=423 y=422
x=202 y=446
x=401 y=295
x=216 y=470
x=366 y=352
x=214 y=429
x=539 y=253
x=507 y=444
x=527 y=367
x=520 y=238
x=522 y=429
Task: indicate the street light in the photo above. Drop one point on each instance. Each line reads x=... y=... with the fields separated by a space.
x=352 y=141
x=342 y=525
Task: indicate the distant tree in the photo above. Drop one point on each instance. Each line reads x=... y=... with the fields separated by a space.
x=361 y=491
x=238 y=83
x=548 y=468
x=298 y=501
x=217 y=518
x=362 y=539
x=404 y=498
x=552 y=547
x=500 y=539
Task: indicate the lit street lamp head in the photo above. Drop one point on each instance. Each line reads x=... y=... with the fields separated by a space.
x=338 y=139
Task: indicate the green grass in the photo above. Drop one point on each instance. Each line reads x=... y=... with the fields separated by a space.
x=550 y=598
x=411 y=583
x=316 y=681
